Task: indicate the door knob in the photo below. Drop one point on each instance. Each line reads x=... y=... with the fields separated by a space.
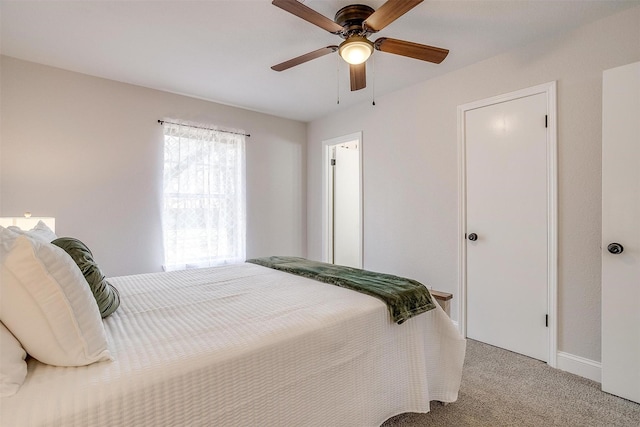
x=615 y=248
x=473 y=237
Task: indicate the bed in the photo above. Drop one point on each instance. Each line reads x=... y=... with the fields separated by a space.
x=246 y=345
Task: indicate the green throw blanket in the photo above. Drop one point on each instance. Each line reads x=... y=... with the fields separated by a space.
x=405 y=298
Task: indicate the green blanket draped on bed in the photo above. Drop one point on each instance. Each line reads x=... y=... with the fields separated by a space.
x=405 y=298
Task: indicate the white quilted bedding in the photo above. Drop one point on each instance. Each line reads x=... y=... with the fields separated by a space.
x=245 y=345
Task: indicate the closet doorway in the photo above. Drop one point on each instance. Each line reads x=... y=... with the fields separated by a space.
x=508 y=221
x=343 y=200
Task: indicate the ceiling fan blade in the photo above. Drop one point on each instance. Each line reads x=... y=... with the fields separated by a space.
x=304 y=58
x=389 y=12
x=358 y=75
x=301 y=11
x=412 y=50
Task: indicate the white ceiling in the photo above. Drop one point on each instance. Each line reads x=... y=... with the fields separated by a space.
x=222 y=50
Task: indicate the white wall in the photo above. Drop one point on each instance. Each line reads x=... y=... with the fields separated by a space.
x=89 y=152
x=410 y=166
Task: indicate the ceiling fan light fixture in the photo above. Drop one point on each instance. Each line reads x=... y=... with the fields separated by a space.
x=356 y=50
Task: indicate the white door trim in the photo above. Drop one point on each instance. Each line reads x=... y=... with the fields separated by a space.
x=327 y=207
x=552 y=201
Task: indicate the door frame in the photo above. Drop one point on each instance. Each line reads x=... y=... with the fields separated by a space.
x=549 y=89
x=327 y=204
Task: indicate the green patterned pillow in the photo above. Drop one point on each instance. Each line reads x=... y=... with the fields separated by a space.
x=106 y=295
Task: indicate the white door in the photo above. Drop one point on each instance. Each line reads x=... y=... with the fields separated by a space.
x=507 y=225
x=346 y=207
x=621 y=231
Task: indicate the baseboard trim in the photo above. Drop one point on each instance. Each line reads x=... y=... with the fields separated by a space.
x=580 y=366
x=573 y=364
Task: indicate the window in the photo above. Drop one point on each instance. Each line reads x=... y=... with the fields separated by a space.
x=203 y=218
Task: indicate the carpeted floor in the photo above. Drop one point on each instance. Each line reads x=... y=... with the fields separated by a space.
x=501 y=388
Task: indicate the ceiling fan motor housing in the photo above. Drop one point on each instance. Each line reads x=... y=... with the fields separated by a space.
x=351 y=17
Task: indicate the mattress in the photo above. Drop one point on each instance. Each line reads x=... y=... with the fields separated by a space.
x=244 y=345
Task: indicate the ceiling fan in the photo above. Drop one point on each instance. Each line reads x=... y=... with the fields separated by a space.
x=354 y=23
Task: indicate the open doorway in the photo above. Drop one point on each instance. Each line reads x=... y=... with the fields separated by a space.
x=343 y=200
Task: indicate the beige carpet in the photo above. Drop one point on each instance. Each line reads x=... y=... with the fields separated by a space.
x=501 y=388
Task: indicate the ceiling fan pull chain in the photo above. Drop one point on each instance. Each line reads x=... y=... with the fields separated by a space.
x=373 y=83
x=338 y=81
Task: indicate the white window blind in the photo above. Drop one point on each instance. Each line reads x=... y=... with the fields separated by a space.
x=204 y=217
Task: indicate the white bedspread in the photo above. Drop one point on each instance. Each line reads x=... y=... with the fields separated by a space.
x=245 y=345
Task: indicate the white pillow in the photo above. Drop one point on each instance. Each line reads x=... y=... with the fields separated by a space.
x=47 y=304
x=13 y=368
x=40 y=231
